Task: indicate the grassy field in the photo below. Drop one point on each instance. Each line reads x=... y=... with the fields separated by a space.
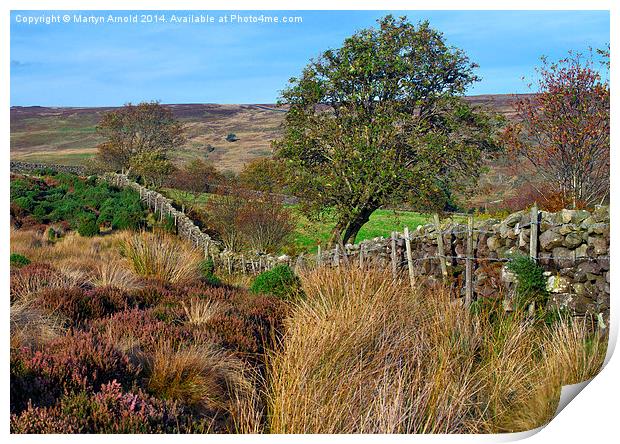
x=310 y=233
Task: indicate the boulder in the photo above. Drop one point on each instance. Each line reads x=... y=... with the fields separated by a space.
x=493 y=243
x=550 y=239
x=599 y=244
x=558 y=284
x=563 y=257
x=572 y=240
x=574 y=216
x=599 y=228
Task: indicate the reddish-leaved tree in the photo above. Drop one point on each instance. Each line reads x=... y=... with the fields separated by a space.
x=563 y=130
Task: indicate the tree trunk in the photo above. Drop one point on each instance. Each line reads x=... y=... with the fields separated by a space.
x=356 y=224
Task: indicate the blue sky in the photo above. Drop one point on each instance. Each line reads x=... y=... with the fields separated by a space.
x=73 y=64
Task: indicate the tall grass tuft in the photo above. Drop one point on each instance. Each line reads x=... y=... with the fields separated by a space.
x=160 y=256
x=365 y=354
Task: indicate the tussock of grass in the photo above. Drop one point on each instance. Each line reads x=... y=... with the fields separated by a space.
x=115 y=274
x=364 y=354
x=31 y=326
x=201 y=311
x=201 y=377
x=160 y=256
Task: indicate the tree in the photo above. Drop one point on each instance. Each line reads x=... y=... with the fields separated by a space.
x=379 y=120
x=196 y=177
x=134 y=130
x=267 y=175
x=563 y=130
x=153 y=167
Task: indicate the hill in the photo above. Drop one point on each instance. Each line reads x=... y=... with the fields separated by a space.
x=68 y=136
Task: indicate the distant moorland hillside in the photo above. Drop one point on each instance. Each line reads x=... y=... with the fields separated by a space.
x=67 y=135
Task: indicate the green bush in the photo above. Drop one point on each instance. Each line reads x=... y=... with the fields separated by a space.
x=207 y=272
x=73 y=199
x=88 y=227
x=280 y=281
x=18 y=260
x=531 y=282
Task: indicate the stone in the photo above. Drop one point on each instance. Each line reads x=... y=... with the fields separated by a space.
x=558 y=284
x=508 y=276
x=493 y=243
x=568 y=228
x=572 y=240
x=563 y=257
x=513 y=219
x=574 y=216
x=581 y=251
x=579 y=289
x=599 y=228
x=599 y=244
x=550 y=239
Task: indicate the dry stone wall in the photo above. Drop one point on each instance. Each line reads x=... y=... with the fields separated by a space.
x=573 y=249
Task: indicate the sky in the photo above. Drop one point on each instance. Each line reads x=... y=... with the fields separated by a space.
x=58 y=61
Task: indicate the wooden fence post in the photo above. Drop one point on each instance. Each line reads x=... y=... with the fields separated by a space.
x=534 y=232
x=409 y=257
x=361 y=257
x=440 y=248
x=319 y=259
x=243 y=264
x=336 y=259
x=469 y=289
x=393 y=255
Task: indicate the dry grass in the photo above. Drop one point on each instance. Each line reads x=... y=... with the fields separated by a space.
x=205 y=379
x=201 y=311
x=366 y=355
x=115 y=274
x=160 y=256
x=31 y=326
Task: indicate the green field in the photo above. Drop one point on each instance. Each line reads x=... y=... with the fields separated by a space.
x=309 y=234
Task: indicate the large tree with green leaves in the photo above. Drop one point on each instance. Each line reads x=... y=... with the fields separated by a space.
x=381 y=120
x=139 y=137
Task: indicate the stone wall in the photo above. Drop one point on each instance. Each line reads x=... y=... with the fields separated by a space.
x=573 y=249
x=26 y=167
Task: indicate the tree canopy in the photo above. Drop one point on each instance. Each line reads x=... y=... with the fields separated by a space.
x=563 y=130
x=380 y=120
x=135 y=134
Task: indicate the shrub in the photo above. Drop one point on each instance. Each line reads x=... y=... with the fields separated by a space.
x=88 y=227
x=223 y=217
x=531 y=282
x=111 y=410
x=32 y=278
x=207 y=272
x=265 y=224
x=18 y=260
x=231 y=137
x=72 y=363
x=267 y=175
x=280 y=281
x=79 y=305
x=160 y=256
